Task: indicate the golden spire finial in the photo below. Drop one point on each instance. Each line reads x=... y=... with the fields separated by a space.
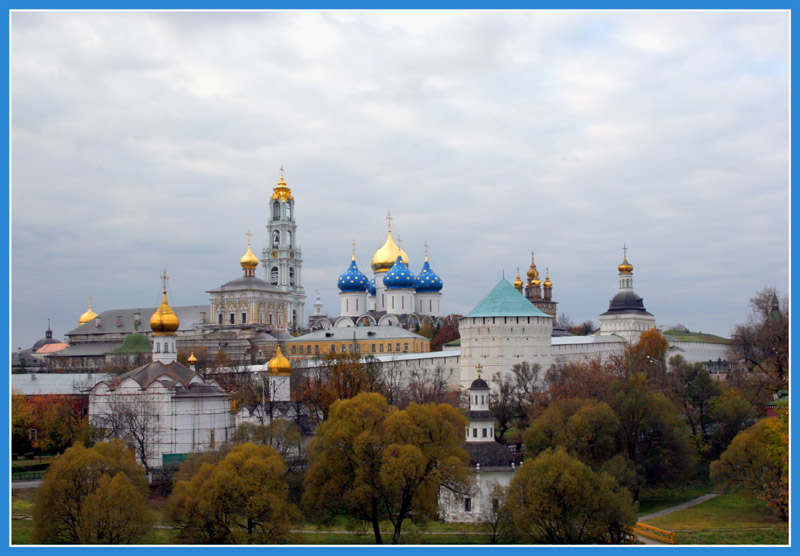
x=624 y=251
x=90 y=301
x=354 y=249
x=389 y=220
x=426 y=251
x=248 y=237
x=479 y=369
x=164 y=280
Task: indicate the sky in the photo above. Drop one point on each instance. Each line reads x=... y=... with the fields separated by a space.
x=143 y=142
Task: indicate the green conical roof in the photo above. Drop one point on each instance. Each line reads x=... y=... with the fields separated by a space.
x=505 y=301
x=135 y=343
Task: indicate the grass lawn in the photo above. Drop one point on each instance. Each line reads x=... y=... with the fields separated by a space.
x=737 y=518
x=654 y=499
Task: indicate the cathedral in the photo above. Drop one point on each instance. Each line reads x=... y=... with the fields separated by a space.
x=394 y=296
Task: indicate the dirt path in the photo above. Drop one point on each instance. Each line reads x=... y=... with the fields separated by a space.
x=679 y=507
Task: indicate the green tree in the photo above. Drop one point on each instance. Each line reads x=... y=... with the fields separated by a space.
x=731 y=414
x=556 y=499
x=758 y=460
x=370 y=461
x=652 y=434
x=283 y=435
x=691 y=388
x=92 y=495
x=241 y=499
x=588 y=429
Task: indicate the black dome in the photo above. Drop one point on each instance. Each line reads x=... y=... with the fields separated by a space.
x=479 y=384
x=625 y=302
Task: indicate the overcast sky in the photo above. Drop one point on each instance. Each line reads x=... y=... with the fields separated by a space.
x=151 y=141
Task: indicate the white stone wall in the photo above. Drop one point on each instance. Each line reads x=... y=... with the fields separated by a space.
x=499 y=343
x=428 y=303
x=452 y=506
x=628 y=326
x=353 y=304
x=699 y=352
x=399 y=302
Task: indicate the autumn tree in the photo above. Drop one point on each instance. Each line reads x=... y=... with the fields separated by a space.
x=92 y=496
x=579 y=379
x=22 y=420
x=692 y=389
x=758 y=460
x=283 y=435
x=517 y=395
x=371 y=461
x=446 y=332
x=730 y=414
x=762 y=343
x=557 y=499
x=241 y=499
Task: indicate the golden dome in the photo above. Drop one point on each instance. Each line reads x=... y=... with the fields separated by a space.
x=88 y=315
x=282 y=191
x=164 y=320
x=386 y=256
x=248 y=261
x=625 y=267
x=518 y=282
x=279 y=365
x=533 y=273
x=547 y=282
x=192 y=359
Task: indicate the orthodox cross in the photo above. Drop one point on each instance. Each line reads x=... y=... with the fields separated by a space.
x=624 y=251
x=389 y=220
x=426 y=250
x=354 y=249
x=248 y=236
x=90 y=301
x=164 y=279
x=400 y=241
x=479 y=369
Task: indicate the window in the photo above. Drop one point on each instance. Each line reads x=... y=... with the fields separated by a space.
x=244 y=318
x=289 y=237
x=381 y=348
x=389 y=348
x=405 y=346
x=397 y=346
x=301 y=350
x=467 y=504
x=484 y=432
x=294 y=318
x=474 y=433
x=373 y=348
x=333 y=348
x=288 y=211
x=219 y=318
x=291 y=276
x=358 y=348
x=316 y=349
x=293 y=350
x=212 y=438
x=232 y=318
x=274 y=275
x=276 y=210
x=158 y=347
x=276 y=238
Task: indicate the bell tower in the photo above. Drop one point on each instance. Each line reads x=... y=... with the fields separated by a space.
x=281 y=259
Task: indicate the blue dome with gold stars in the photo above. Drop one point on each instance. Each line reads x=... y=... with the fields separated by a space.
x=399 y=277
x=352 y=280
x=371 y=287
x=428 y=280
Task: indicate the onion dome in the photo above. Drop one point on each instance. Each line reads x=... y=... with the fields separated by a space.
x=625 y=267
x=386 y=256
x=164 y=320
x=352 y=280
x=518 y=282
x=279 y=365
x=399 y=277
x=547 y=282
x=88 y=315
x=371 y=287
x=249 y=261
x=282 y=191
x=192 y=359
x=427 y=280
x=533 y=272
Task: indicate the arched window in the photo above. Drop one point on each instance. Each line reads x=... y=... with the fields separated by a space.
x=276 y=238
x=274 y=276
x=288 y=211
x=276 y=210
x=289 y=237
x=291 y=275
x=294 y=319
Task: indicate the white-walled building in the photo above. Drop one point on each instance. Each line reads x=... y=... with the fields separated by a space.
x=163 y=410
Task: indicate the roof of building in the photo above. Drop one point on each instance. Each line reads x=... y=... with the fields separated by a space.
x=189 y=316
x=479 y=384
x=30 y=384
x=135 y=343
x=590 y=339
x=155 y=370
x=505 y=301
x=687 y=336
x=488 y=454
x=626 y=302
x=480 y=416
x=352 y=280
x=427 y=280
x=51 y=348
x=87 y=349
x=345 y=334
x=247 y=283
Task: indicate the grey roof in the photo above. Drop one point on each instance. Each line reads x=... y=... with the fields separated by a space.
x=55 y=383
x=88 y=349
x=488 y=454
x=247 y=283
x=480 y=416
x=479 y=384
x=361 y=333
x=505 y=301
x=188 y=315
x=626 y=302
x=149 y=372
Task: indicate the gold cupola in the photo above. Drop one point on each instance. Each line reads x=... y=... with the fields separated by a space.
x=279 y=365
x=192 y=359
x=249 y=261
x=386 y=256
x=533 y=272
x=88 y=315
x=282 y=191
x=164 y=321
x=518 y=282
x=625 y=267
x=547 y=282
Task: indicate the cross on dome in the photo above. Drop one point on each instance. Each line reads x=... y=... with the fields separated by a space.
x=479 y=369
x=389 y=220
x=164 y=280
x=248 y=236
